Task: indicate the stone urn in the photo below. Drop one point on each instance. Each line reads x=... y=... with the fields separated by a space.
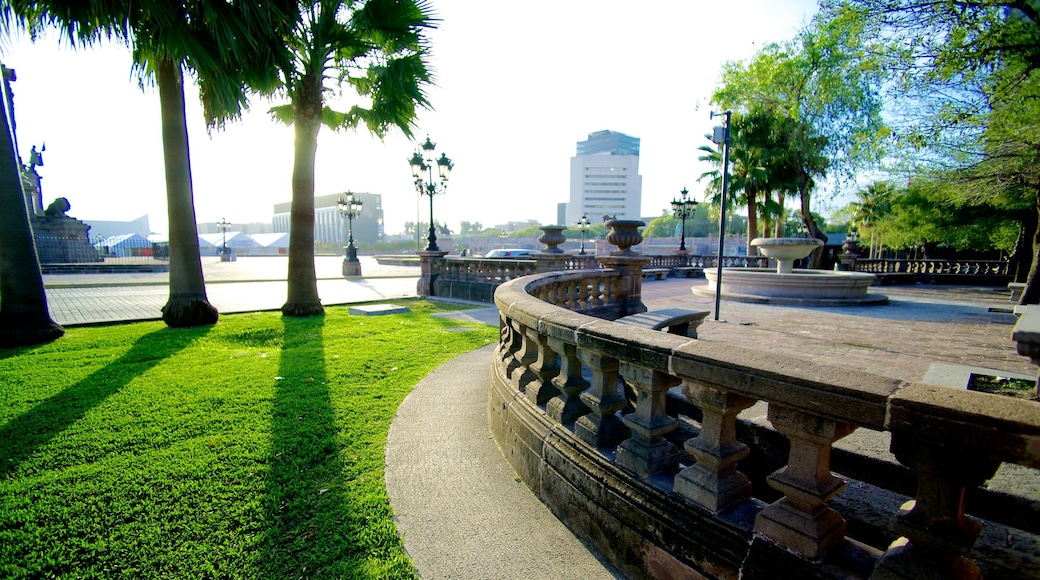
x=786 y=250
x=552 y=238
x=624 y=234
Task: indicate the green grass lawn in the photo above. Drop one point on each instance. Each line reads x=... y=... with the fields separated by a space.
x=248 y=449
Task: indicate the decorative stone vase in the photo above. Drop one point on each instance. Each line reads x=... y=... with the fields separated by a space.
x=624 y=234
x=552 y=238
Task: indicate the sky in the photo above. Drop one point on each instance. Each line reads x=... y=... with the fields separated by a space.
x=517 y=86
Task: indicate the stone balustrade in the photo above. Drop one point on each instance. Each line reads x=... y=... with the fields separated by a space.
x=663 y=494
x=476 y=278
x=934 y=267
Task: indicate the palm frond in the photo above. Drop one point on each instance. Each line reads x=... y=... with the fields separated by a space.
x=282 y=113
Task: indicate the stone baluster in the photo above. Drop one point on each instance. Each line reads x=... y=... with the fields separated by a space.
x=566 y=295
x=537 y=379
x=601 y=427
x=647 y=452
x=567 y=406
x=429 y=269
x=802 y=521
x=935 y=533
x=713 y=482
x=515 y=354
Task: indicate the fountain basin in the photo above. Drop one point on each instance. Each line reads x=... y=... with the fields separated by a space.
x=785 y=250
x=800 y=287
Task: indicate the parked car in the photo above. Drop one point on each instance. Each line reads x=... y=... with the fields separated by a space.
x=509 y=253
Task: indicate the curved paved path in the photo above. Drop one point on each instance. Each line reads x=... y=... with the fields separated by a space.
x=460 y=507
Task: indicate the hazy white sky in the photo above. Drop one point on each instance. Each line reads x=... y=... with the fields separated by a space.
x=518 y=85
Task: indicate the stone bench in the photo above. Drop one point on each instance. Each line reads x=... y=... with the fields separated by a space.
x=677 y=320
x=656 y=273
x=687 y=272
x=1016 y=290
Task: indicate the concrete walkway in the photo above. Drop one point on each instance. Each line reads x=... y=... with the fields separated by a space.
x=245 y=285
x=461 y=509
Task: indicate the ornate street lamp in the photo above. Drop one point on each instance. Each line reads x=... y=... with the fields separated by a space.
x=422 y=167
x=683 y=209
x=224 y=226
x=583 y=227
x=502 y=236
x=350 y=208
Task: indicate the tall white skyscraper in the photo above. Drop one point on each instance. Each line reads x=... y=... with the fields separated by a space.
x=605 y=178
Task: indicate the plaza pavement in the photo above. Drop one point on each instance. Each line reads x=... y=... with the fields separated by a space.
x=459 y=506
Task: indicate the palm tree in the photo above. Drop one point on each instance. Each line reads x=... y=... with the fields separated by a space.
x=24 y=318
x=747 y=177
x=228 y=46
x=379 y=49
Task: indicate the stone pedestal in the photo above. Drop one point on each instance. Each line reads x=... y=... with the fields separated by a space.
x=429 y=268
x=629 y=290
x=351 y=264
x=61 y=239
x=848 y=261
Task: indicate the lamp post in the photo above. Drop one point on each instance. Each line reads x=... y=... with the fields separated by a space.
x=350 y=208
x=720 y=136
x=583 y=227
x=683 y=209
x=422 y=167
x=502 y=236
x=224 y=225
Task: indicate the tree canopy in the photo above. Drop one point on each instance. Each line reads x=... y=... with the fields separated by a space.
x=821 y=91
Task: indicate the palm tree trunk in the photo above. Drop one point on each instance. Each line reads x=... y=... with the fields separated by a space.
x=188 y=304
x=767 y=218
x=24 y=317
x=781 y=219
x=303 y=281
x=752 y=222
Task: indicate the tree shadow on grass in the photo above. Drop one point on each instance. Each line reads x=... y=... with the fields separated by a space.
x=26 y=433
x=305 y=501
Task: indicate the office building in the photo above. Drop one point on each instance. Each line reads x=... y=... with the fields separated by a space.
x=605 y=178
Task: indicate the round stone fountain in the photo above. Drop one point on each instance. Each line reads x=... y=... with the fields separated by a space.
x=785 y=285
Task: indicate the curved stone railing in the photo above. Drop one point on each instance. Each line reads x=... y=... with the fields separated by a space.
x=666 y=495
x=934 y=267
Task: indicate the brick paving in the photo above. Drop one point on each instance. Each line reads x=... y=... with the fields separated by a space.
x=920 y=327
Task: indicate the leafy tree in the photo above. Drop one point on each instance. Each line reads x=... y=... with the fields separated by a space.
x=826 y=84
x=378 y=49
x=965 y=77
x=662 y=226
x=228 y=46
x=24 y=317
x=469 y=228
